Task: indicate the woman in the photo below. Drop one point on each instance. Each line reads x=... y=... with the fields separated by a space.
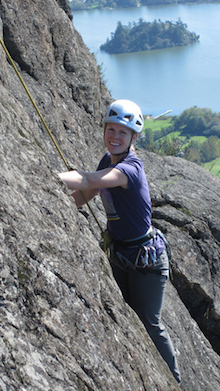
x=138 y=254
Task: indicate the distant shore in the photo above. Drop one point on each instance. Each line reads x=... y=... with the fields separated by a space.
x=79 y=5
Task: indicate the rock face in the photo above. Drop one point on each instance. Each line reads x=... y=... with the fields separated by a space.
x=64 y=324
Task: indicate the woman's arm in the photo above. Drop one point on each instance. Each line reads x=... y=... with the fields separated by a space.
x=82 y=180
x=81 y=197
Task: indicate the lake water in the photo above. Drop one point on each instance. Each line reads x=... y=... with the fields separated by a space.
x=159 y=80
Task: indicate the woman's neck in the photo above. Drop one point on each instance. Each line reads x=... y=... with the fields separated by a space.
x=117 y=158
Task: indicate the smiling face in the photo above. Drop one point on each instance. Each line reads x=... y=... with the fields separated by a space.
x=118 y=140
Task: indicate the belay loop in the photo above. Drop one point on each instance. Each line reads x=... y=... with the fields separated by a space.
x=45 y=125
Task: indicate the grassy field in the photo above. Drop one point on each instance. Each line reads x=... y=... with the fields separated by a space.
x=157 y=124
x=164 y=122
x=213 y=166
x=198 y=139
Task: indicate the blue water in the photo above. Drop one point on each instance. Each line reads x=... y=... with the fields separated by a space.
x=159 y=80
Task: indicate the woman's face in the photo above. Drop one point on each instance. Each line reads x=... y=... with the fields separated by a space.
x=118 y=138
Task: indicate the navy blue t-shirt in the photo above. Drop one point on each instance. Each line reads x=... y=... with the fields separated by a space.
x=128 y=210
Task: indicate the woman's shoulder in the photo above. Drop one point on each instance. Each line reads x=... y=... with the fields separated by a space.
x=132 y=159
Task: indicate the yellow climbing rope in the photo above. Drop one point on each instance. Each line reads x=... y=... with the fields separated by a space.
x=46 y=127
x=32 y=101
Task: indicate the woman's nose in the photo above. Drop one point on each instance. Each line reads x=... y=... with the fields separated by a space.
x=116 y=135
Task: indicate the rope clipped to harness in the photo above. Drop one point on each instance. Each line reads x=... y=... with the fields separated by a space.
x=45 y=125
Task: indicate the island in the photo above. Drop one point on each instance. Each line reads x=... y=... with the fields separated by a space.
x=148 y=36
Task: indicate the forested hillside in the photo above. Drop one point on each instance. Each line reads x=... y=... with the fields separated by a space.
x=87 y=4
x=194 y=135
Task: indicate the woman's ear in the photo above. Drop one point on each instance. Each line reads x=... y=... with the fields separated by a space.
x=134 y=137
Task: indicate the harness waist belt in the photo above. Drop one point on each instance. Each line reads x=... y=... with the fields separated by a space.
x=151 y=233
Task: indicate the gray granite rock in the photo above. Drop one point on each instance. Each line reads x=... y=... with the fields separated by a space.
x=64 y=324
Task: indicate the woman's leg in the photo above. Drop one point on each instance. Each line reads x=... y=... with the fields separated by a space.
x=121 y=277
x=146 y=295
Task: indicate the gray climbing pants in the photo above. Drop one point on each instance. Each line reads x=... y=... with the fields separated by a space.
x=144 y=292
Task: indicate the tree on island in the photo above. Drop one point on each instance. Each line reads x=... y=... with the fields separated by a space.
x=148 y=36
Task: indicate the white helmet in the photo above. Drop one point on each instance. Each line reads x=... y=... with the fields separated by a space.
x=127 y=113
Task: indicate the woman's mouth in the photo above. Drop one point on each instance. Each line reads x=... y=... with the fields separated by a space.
x=114 y=144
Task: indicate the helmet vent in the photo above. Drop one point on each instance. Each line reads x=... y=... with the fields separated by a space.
x=112 y=113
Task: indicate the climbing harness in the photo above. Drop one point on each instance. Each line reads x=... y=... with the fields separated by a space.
x=145 y=257
x=46 y=127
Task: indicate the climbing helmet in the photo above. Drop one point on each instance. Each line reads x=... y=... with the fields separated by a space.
x=127 y=113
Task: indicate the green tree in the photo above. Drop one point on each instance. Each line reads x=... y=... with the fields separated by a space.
x=170 y=146
x=192 y=152
x=126 y=3
x=196 y=121
x=210 y=149
x=149 y=139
